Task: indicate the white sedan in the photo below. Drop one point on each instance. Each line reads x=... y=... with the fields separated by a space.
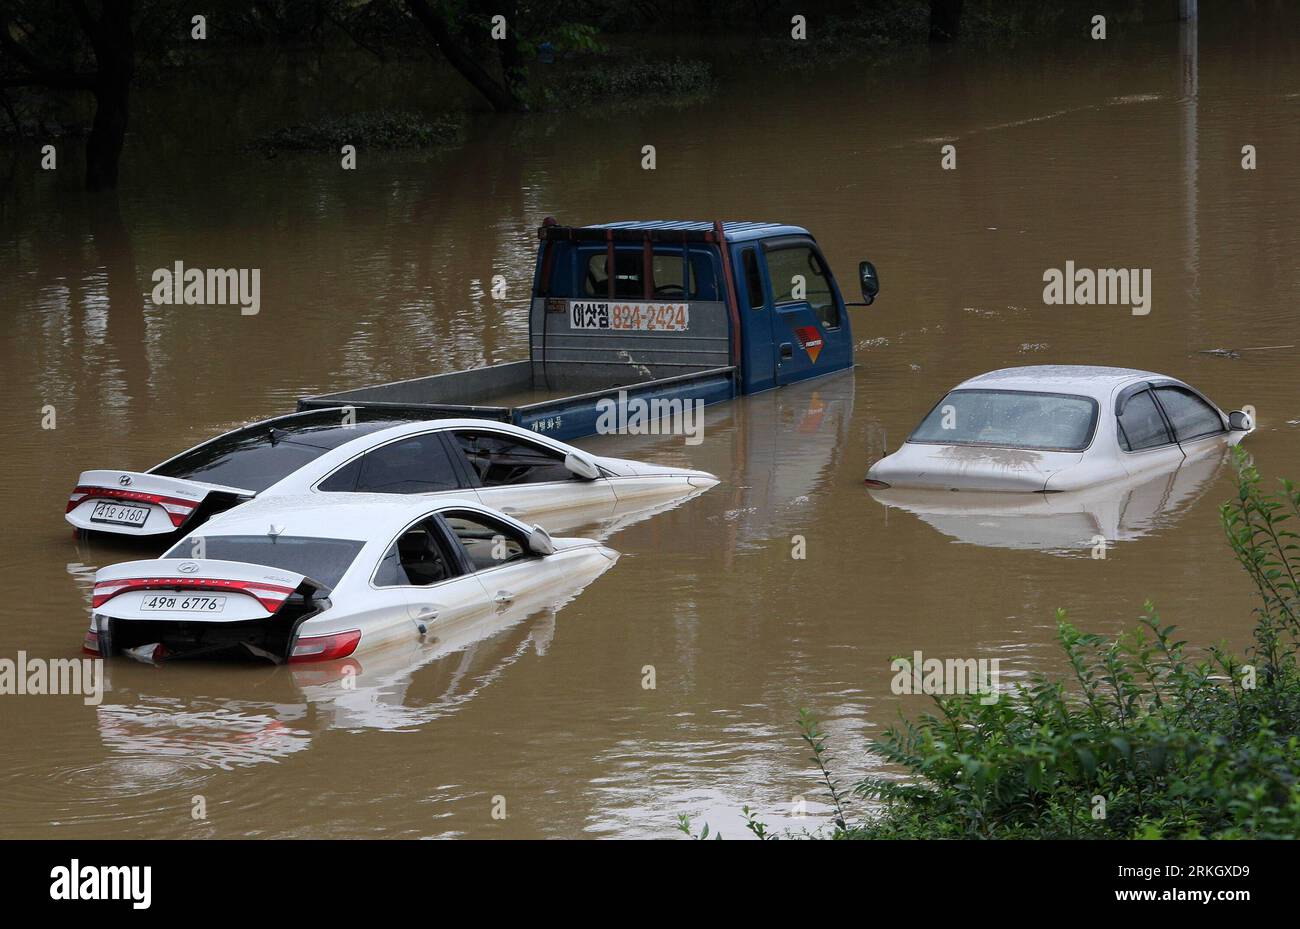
x=1058 y=428
x=321 y=452
x=318 y=578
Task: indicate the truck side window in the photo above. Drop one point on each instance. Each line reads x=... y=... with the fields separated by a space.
x=753 y=280
x=784 y=268
x=500 y=461
x=417 y=465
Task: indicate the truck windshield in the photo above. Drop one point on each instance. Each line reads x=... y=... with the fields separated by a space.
x=1010 y=419
x=322 y=560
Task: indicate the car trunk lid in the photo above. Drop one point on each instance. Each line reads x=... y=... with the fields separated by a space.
x=970 y=467
x=179 y=608
x=140 y=503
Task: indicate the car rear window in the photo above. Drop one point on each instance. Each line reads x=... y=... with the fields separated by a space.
x=1010 y=419
x=322 y=560
x=255 y=457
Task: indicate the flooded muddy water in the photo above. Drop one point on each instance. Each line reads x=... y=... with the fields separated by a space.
x=1104 y=154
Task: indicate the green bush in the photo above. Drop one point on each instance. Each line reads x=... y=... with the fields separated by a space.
x=383 y=129
x=611 y=80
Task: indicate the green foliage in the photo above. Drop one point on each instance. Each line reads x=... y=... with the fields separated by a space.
x=684 y=826
x=611 y=79
x=384 y=129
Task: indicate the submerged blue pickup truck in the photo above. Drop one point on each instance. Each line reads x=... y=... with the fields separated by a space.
x=650 y=311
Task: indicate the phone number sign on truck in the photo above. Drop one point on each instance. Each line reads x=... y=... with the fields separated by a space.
x=629 y=317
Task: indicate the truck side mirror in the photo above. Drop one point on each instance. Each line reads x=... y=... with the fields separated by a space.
x=870 y=282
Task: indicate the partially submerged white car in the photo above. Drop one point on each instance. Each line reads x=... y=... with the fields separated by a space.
x=1069 y=523
x=318 y=578
x=1057 y=428
x=321 y=452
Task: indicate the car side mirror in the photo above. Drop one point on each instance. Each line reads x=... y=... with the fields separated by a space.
x=539 y=542
x=870 y=282
x=582 y=466
x=1240 y=421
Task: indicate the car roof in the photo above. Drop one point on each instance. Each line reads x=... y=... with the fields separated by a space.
x=736 y=231
x=396 y=431
x=1093 y=381
x=321 y=428
x=359 y=516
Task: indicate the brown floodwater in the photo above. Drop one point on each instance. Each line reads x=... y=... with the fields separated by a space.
x=1107 y=154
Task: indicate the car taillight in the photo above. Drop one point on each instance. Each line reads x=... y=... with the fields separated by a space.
x=325 y=647
x=177 y=510
x=880 y=485
x=271 y=596
x=90 y=644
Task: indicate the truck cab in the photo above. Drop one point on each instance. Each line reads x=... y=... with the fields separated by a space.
x=678 y=297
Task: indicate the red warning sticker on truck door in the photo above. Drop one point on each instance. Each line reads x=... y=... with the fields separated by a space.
x=810 y=339
x=629 y=317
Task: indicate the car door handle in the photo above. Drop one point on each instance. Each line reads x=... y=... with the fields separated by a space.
x=787 y=350
x=503 y=597
x=427 y=612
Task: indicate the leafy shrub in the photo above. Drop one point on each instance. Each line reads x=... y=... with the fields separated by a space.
x=621 y=80
x=383 y=129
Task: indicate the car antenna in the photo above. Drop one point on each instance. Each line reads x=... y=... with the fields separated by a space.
x=274 y=531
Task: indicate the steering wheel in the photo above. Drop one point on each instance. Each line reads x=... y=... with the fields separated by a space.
x=670 y=290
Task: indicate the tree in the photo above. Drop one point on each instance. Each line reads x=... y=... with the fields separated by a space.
x=36 y=51
x=945 y=20
x=505 y=95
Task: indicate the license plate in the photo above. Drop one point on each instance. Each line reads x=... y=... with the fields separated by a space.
x=629 y=317
x=119 y=514
x=183 y=603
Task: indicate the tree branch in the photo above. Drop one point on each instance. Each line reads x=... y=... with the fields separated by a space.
x=462 y=59
x=38 y=74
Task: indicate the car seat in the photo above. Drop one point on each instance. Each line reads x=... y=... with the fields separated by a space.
x=420 y=558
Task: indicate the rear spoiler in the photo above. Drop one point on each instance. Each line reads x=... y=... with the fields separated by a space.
x=178 y=497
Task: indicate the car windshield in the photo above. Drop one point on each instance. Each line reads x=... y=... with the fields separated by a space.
x=258 y=456
x=322 y=560
x=1010 y=419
